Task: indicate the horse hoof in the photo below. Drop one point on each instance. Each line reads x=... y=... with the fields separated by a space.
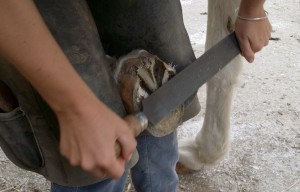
x=183 y=170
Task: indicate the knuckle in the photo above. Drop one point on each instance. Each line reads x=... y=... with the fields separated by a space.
x=256 y=48
x=105 y=163
x=130 y=148
x=102 y=161
x=74 y=161
x=87 y=166
x=98 y=173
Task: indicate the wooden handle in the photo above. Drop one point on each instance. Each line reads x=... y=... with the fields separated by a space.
x=136 y=125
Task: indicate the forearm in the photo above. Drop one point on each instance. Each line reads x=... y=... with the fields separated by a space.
x=27 y=43
x=251 y=8
x=88 y=128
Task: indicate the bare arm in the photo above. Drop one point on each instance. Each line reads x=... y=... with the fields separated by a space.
x=252 y=35
x=88 y=128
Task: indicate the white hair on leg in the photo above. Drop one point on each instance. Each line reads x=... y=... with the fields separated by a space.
x=212 y=141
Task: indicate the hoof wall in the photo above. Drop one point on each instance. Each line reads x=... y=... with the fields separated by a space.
x=183 y=170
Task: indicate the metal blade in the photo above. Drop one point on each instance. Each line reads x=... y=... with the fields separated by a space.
x=183 y=85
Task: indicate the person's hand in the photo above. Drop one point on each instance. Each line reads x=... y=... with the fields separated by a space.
x=252 y=35
x=88 y=137
x=88 y=129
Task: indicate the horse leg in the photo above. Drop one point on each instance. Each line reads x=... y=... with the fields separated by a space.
x=212 y=141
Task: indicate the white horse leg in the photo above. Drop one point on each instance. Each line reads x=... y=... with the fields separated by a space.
x=212 y=141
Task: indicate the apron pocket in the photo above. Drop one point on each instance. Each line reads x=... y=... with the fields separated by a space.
x=18 y=140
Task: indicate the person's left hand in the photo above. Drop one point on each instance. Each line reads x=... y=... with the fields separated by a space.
x=252 y=35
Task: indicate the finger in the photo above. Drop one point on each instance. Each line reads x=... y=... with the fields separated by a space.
x=98 y=173
x=88 y=163
x=115 y=168
x=267 y=38
x=128 y=145
x=74 y=158
x=69 y=149
x=74 y=153
x=246 y=50
x=267 y=41
x=65 y=148
x=101 y=174
x=270 y=29
x=257 y=45
x=269 y=33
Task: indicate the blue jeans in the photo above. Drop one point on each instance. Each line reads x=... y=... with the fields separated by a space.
x=154 y=172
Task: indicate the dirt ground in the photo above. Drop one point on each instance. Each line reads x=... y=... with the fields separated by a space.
x=265 y=149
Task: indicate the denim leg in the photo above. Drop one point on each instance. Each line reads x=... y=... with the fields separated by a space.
x=155 y=170
x=107 y=185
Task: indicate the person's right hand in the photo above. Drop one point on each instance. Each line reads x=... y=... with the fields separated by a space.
x=88 y=137
x=89 y=130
